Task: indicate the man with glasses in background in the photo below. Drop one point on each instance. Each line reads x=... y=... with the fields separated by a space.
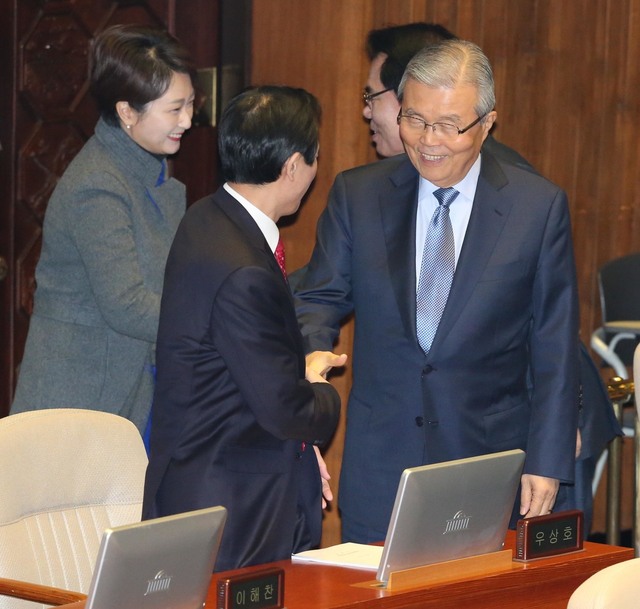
x=389 y=50
x=459 y=271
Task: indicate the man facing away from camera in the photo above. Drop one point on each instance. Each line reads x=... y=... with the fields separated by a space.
x=236 y=417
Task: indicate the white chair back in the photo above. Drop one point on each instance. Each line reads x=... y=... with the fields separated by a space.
x=614 y=587
x=65 y=476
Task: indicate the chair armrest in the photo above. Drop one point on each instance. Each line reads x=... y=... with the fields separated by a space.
x=606 y=351
x=38 y=593
x=631 y=326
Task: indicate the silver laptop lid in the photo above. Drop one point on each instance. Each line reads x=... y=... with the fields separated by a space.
x=165 y=563
x=451 y=510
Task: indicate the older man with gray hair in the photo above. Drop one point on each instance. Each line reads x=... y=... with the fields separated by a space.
x=460 y=273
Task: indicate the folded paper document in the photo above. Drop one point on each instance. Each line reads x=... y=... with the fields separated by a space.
x=354 y=555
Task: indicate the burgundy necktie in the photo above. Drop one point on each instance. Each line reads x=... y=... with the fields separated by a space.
x=279 y=254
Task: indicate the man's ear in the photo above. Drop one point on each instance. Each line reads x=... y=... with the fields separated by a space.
x=290 y=165
x=126 y=113
x=488 y=122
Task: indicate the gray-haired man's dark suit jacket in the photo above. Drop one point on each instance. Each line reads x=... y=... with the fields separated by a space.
x=512 y=308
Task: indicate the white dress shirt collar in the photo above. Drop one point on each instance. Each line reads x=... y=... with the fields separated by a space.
x=466 y=187
x=459 y=210
x=266 y=225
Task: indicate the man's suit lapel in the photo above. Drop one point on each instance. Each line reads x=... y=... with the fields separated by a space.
x=488 y=216
x=398 y=202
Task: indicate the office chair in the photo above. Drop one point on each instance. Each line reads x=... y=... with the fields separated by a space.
x=619 y=287
x=614 y=587
x=66 y=475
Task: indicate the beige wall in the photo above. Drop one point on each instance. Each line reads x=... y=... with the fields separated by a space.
x=567 y=80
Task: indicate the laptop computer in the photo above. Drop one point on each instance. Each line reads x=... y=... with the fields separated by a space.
x=164 y=563
x=451 y=510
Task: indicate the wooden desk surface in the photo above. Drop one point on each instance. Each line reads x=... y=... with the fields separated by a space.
x=545 y=583
x=541 y=584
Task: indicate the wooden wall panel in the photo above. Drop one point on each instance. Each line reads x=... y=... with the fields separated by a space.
x=567 y=79
x=311 y=45
x=319 y=46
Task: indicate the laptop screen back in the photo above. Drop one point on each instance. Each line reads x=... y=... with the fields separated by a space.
x=451 y=510
x=165 y=563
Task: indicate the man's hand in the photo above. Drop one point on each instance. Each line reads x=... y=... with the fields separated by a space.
x=578 y=444
x=538 y=495
x=319 y=363
x=327 y=495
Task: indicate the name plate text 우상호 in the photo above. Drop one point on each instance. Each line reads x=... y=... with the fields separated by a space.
x=542 y=536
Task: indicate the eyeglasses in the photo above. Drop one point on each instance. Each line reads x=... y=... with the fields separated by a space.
x=368 y=97
x=444 y=130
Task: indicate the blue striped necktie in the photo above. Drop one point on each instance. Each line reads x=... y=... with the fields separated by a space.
x=436 y=271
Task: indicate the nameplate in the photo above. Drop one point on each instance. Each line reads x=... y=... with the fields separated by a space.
x=257 y=590
x=550 y=535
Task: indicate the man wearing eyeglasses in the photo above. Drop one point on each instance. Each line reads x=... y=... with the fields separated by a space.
x=459 y=271
x=389 y=50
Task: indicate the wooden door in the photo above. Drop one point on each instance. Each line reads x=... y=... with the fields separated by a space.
x=46 y=116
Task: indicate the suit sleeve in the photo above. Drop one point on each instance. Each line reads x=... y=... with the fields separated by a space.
x=262 y=351
x=599 y=423
x=322 y=289
x=554 y=351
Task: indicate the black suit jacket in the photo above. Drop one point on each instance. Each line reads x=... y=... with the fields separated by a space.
x=512 y=309
x=232 y=406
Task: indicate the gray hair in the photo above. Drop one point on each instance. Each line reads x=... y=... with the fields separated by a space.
x=449 y=64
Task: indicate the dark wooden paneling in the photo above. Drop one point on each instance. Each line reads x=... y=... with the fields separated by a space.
x=566 y=79
x=196 y=23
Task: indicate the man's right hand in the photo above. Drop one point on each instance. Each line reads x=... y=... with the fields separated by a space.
x=319 y=363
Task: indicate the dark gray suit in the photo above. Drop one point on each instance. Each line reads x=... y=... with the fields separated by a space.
x=512 y=308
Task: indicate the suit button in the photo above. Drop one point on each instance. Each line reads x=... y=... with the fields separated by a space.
x=427 y=369
x=419 y=421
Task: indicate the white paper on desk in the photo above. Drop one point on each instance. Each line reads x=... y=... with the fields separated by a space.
x=355 y=555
